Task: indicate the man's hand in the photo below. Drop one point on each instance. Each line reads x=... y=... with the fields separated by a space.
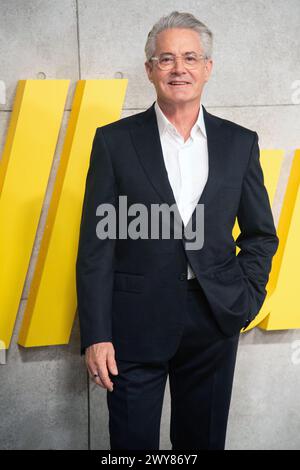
x=100 y=358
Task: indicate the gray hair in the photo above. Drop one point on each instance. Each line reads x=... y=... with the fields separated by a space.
x=184 y=21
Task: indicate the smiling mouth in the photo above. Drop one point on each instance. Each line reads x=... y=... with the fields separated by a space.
x=178 y=84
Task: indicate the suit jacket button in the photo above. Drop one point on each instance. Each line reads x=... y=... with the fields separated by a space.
x=182 y=276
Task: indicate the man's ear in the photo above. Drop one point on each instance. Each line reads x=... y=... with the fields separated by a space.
x=208 y=68
x=148 y=68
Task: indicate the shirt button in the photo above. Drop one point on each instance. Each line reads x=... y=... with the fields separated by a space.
x=182 y=276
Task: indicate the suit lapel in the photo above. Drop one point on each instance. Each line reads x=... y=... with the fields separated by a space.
x=147 y=143
x=148 y=146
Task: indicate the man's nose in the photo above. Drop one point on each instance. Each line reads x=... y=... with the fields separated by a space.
x=179 y=64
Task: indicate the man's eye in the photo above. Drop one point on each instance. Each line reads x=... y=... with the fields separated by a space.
x=191 y=59
x=166 y=60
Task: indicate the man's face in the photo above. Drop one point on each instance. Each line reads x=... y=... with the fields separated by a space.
x=178 y=41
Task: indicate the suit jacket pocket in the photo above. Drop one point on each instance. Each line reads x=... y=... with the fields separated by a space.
x=229 y=275
x=128 y=282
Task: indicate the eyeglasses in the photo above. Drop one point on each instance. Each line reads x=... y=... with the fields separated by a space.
x=167 y=61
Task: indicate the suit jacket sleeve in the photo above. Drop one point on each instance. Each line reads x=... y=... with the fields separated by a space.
x=95 y=257
x=258 y=241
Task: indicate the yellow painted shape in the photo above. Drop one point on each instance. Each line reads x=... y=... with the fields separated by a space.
x=283 y=307
x=24 y=171
x=52 y=301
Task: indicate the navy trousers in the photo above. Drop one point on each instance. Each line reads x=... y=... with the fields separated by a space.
x=200 y=378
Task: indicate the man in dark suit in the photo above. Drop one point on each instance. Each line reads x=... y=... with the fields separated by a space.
x=150 y=308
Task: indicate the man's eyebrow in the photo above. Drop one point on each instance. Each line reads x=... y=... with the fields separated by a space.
x=188 y=52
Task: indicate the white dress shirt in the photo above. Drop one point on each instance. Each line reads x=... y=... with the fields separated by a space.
x=186 y=164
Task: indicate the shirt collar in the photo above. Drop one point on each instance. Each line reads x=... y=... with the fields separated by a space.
x=164 y=123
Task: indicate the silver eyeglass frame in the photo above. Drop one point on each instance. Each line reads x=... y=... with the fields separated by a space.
x=156 y=59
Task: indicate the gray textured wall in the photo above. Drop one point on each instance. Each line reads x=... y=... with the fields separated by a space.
x=46 y=401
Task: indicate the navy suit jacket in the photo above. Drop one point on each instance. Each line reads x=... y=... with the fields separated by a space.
x=132 y=292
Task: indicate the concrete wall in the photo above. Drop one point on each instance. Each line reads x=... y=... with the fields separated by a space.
x=46 y=401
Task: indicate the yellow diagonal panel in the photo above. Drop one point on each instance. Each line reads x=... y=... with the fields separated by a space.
x=283 y=307
x=51 y=305
x=271 y=162
x=24 y=172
